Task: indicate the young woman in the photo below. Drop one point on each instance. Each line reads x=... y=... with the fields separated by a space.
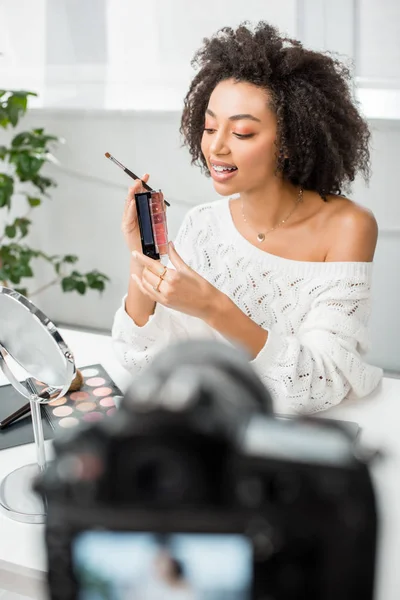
x=283 y=268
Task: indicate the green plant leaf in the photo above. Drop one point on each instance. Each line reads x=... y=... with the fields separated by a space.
x=97 y=285
x=70 y=258
x=16 y=105
x=34 y=201
x=27 y=166
x=33 y=140
x=68 y=284
x=81 y=287
x=91 y=277
x=43 y=183
x=26 y=271
x=11 y=231
x=23 y=225
x=24 y=93
x=6 y=190
x=3 y=152
x=96 y=280
x=23 y=291
x=21 y=139
x=41 y=140
x=14 y=276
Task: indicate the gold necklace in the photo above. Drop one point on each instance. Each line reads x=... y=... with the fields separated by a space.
x=261 y=235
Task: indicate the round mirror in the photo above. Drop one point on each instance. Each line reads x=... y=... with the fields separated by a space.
x=40 y=366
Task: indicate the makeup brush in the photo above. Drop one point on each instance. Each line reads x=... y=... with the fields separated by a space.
x=77 y=382
x=128 y=172
x=76 y=385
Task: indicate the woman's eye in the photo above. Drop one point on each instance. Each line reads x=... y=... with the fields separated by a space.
x=243 y=136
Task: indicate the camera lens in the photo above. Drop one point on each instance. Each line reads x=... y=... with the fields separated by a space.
x=160 y=474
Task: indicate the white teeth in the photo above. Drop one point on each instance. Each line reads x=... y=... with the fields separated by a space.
x=221 y=168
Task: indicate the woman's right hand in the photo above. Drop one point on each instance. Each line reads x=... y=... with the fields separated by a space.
x=130 y=225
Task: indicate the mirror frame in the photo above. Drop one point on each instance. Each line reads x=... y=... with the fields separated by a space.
x=50 y=393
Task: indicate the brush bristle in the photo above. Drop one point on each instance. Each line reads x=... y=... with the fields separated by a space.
x=107 y=154
x=77 y=382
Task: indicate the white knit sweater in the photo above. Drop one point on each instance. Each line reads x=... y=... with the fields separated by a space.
x=316 y=314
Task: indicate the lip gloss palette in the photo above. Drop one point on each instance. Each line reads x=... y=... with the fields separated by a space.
x=159 y=221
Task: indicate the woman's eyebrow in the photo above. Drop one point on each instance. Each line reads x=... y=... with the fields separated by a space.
x=235 y=117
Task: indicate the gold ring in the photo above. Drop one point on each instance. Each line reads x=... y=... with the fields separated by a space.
x=162 y=273
x=156 y=288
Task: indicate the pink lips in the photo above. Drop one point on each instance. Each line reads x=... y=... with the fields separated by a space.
x=222 y=176
x=219 y=163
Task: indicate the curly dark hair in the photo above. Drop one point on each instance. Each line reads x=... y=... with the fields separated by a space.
x=320 y=129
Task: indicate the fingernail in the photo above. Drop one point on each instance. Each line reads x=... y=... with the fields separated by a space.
x=134 y=254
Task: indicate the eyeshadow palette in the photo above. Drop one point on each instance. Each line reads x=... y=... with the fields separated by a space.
x=97 y=399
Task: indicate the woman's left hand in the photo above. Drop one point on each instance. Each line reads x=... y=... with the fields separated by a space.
x=182 y=289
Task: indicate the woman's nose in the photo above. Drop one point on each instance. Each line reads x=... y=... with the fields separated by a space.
x=218 y=144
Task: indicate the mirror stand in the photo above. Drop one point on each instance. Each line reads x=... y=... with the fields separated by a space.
x=49 y=368
x=17 y=498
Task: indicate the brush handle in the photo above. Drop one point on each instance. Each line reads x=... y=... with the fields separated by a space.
x=25 y=409
x=146 y=187
x=131 y=174
x=21 y=412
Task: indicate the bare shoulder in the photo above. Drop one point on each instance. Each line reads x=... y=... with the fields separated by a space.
x=352 y=231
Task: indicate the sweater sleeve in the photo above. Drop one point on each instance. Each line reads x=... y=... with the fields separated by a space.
x=135 y=346
x=321 y=364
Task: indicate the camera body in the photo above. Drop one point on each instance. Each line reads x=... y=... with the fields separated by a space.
x=195 y=463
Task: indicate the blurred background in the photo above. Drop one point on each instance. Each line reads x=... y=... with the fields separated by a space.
x=111 y=76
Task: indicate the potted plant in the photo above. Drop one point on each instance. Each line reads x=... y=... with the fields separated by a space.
x=23 y=160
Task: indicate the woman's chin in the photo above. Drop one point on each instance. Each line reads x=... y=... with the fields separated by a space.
x=223 y=189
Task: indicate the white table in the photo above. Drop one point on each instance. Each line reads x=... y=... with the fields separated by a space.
x=22 y=552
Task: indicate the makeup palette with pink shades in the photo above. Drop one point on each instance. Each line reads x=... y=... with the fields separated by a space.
x=97 y=399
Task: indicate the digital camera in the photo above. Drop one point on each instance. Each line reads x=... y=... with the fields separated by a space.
x=194 y=490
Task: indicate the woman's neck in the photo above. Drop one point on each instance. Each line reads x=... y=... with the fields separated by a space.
x=265 y=207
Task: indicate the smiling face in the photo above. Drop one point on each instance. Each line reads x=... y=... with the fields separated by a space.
x=239 y=136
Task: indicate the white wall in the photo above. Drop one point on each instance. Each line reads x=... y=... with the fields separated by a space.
x=378 y=53
x=98 y=52
x=382 y=197
x=104 y=53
